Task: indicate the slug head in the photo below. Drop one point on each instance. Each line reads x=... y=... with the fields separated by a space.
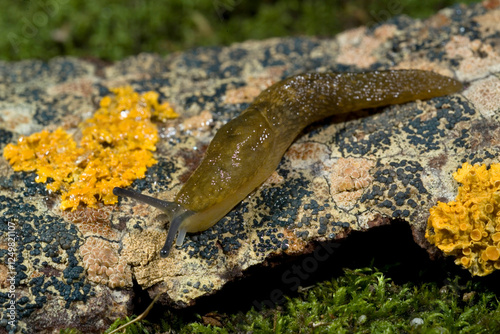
x=175 y=212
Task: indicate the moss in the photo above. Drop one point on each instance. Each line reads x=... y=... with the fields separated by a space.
x=115 y=29
x=362 y=301
x=70 y=331
x=134 y=328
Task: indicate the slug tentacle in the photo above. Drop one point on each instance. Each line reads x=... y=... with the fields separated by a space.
x=170 y=208
x=246 y=150
x=175 y=212
x=176 y=227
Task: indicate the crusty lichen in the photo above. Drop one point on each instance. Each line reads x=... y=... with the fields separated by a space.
x=103 y=263
x=468 y=228
x=93 y=221
x=115 y=149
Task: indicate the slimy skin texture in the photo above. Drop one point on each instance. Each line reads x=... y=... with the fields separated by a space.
x=246 y=150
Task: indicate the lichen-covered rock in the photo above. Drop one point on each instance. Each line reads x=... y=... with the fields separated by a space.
x=397 y=163
x=116 y=147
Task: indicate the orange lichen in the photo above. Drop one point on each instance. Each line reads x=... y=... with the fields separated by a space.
x=295 y=245
x=115 y=149
x=468 y=227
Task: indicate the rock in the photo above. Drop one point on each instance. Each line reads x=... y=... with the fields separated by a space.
x=350 y=173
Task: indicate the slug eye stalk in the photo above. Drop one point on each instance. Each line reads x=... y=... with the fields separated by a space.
x=174 y=211
x=168 y=207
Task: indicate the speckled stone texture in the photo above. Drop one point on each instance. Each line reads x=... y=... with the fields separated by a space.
x=348 y=173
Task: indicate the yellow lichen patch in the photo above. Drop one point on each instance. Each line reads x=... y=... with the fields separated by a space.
x=468 y=228
x=492 y=253
x=495 y=237
x=115 y=149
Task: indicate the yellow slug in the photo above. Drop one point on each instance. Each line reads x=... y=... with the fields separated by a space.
x=246 y=150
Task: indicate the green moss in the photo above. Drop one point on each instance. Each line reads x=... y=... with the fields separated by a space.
x=70 y=331
x=362 y=301
x=138 y=327
x=115 y=29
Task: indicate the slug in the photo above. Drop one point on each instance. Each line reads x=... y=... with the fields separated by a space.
x=246 y=150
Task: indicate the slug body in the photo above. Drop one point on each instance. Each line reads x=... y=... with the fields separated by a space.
x=246 y=150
